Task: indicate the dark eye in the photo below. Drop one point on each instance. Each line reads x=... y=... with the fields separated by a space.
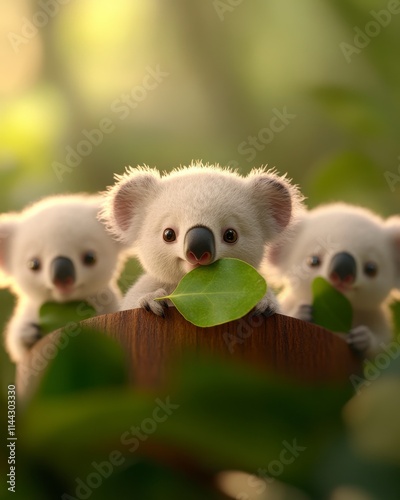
x=34 y=264
x=230 y=236
x=169 y=235
x=314 y=261
x=370 y=269
x=89 y=258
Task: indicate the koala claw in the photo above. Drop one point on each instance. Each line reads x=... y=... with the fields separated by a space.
x=269 y=311
x=30 y=335
x=360 y=338
x=267 y=306
x=156 y=307
x=305 y=313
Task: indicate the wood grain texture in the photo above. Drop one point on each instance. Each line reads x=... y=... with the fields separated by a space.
x=278 y=344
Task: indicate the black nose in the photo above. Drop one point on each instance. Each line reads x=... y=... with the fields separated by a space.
x=62 y=271
x=343 y=268
x=199 y=245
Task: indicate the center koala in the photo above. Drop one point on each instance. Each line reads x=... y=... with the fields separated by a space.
x=192 y=217
x=56 y=251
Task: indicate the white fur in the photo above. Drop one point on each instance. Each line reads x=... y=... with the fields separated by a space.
x=143 y=203
x=334 y=228
x=56 y=226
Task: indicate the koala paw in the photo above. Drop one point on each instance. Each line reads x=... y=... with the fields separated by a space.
x=267 y=306
x=360 y=338
x=305 y=313
x=30 y=335
x=155 y=306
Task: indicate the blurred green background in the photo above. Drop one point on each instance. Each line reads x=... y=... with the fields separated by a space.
x=260 y=82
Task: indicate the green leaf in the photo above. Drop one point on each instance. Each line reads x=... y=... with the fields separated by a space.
x=395 y=308
x=87 y=360
x=331 y=309
x=223 y=291
x=55 y=315
x=203 y=421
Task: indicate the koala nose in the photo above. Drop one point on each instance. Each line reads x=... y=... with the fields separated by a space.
x=199 y=246
x=343 y=269
x=62 y=271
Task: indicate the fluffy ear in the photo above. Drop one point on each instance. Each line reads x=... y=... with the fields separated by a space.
x=278 y=201
x=8 y=225
x=278 y=252
x=393 y=226
x=124 y=203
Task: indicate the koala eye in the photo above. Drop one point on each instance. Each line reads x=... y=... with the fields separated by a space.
x=34 y=264
x=314 y=261
x=89 y=258
x=230 y=236
x=370 y=269
x=169 y=235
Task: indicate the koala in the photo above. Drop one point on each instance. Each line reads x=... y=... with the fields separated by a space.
x=56 y=250
x=357 y=252
x=192 y=217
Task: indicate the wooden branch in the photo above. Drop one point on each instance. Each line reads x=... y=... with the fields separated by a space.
x=277 y=344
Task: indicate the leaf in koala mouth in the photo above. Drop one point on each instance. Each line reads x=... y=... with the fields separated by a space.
x=331 y=309
x=54 y=315
x=220 y=292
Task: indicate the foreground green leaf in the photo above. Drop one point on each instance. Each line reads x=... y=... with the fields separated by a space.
x=331 y=309
x=54 y=315
x=223 y=291
x=220 y=415
x=88 y=360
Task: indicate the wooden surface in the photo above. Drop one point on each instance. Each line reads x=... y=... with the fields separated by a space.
x=279 y=344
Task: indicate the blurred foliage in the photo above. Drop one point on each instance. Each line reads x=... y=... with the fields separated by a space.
x=213 y=416
x=226 y=74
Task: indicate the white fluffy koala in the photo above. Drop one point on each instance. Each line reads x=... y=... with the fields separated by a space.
x=194 y=216
x=357 y=252
x=56 y=250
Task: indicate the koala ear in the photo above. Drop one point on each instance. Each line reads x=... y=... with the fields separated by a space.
x=278 y=201
x=8 y=224
x=123 y=206
x=393 y=226
x=278 y=252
